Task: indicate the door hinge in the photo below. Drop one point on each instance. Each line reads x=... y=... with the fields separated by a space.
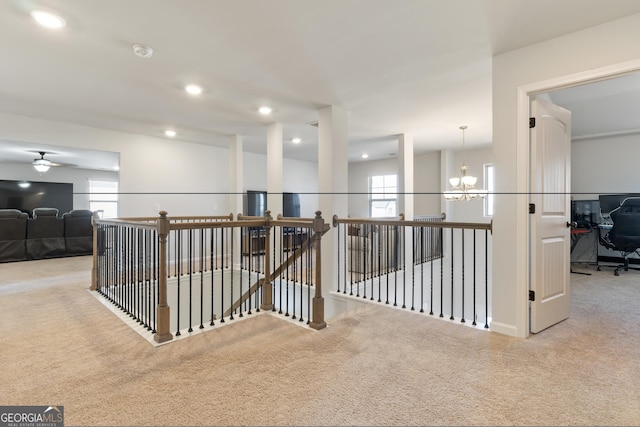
x=532 y=295
x=532 y=208
x=532 y=122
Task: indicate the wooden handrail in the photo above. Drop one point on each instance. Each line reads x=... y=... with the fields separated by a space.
x=402 y=223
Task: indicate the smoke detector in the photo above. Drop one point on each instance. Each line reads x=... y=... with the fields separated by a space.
x=142 y=51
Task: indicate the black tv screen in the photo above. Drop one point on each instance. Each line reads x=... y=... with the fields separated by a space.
x=291 y=205
x=28 y=195
x=257 y=203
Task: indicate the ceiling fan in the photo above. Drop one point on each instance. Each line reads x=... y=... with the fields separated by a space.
x=42 y=165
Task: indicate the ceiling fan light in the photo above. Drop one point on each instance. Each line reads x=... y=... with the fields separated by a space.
x=41 y=166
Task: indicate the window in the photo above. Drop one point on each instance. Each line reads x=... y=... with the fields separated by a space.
x=103 y=197
x=489 y=186
x=383 y=197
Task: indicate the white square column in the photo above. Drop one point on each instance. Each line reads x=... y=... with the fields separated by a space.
x=405 y=166
x=235 y=187
x=275 y=165
x=405 y=196
x=236 y=171
x=333 y=178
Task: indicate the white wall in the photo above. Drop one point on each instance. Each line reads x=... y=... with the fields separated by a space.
x=605 y=165
x=428 y=198
x=78 y=177
x=190 y=179
x=359 y=173
x=612 y=43
x=469 y=210
x=298 y=177
x=426 y=184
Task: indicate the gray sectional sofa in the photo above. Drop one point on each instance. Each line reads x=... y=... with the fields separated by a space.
x=45 y=235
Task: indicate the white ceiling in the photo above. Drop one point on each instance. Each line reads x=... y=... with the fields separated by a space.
x=416 y=66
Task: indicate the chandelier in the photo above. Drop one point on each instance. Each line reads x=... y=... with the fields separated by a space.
x=463 y=187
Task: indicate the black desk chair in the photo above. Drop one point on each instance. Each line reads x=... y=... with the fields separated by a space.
x=624 y=236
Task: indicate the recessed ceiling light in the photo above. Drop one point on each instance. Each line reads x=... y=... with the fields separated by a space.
x=265 y=110
x=296 y=140
x=365 y=156
x=142 y=51
x=47 y=19
x=170 y=133
x=193 y=89
x=24 y=184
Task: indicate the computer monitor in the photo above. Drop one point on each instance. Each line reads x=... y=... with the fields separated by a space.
x=585 y=213
x=609 y=202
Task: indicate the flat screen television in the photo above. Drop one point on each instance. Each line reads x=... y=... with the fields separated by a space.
x=28 y=195
x=291 y=205
x=257 y=204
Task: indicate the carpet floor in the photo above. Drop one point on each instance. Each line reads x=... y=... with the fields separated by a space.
x=373 y=366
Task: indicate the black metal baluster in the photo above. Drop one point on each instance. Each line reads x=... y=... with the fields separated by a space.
x=202 y=255
x=486 y=279
x=178 y=234
x=339 y=255
x=156 y=274
x=309 y=271
x=379 y=246
x=145 y=279
x=250 y=266
x=386 y=257
x=462 y=230
x=282 y=244
x=222 y=255
x=231 y=260
x=442 y=276
x=294 y=285
x=413 y=276
x=422 y=262
x=352 y=257
x=140 y=281
x=130 y=276
x=475 y=232
x=273 y=268
x=395 y=270
x=212 y=261
x=190 y=261
x=299 y=243
x=432 y=233
x=452 y=269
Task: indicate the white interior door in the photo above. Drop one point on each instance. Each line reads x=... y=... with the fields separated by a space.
x=550 y=231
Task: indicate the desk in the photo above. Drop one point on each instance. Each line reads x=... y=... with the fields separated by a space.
x=253 y=241
x=576 y=235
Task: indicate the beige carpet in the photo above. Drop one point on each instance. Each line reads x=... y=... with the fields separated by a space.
x=377 y=366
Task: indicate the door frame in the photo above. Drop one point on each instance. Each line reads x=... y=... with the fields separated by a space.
x=524 y=93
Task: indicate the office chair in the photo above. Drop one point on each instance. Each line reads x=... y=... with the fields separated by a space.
x=624 y=236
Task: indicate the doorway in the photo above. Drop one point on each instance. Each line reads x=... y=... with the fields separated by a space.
x=525 y=93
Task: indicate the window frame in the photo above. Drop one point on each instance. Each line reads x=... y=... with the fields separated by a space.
x=110 y=198
x=489 y=184
x=385 y=194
